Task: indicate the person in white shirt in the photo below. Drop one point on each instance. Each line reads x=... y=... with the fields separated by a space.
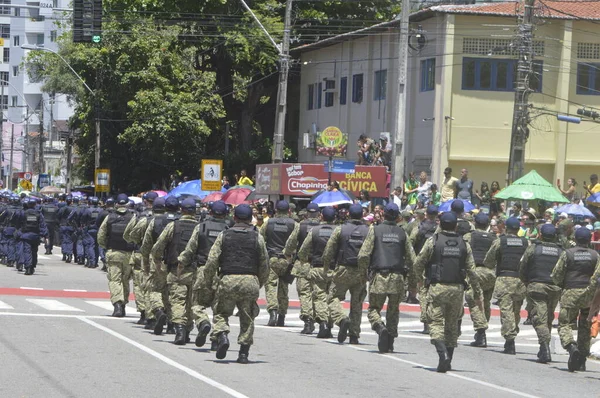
x=397 y=197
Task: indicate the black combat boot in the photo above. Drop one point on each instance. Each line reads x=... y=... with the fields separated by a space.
x=528 y=320
x=214 y=345
x=69 y=258
x=308 y=326
x=480 y=339
x=64 y=257
x=222 y=345
x=118 y=312
x=343 y=333
x=150 y=324
x=353 y=340
x=170 y=328
x=142 y=319
x=509 y=347
x=425 y=328
x=281 y=320
x=444 y=363
x=203 y=331
x=272 y=318
x=179 y=334
x=161 y=319
x=575 y=357
x=324 y=331
x=582 y=366
x=391 y=345
x=450 y=355
x=19 y=267
x=123 y=309
x=243 y=355
x=544 y=354
x=28 y=271
x=383 y=344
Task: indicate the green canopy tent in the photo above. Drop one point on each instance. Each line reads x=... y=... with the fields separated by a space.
x=532 y=186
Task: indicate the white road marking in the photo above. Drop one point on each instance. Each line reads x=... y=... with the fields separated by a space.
x=66 y=316
x=53 y=305
x=4 y=306
x=107 y=305
x=74 y=290
x=43 y=257
x=31 y=288
x=168 y=361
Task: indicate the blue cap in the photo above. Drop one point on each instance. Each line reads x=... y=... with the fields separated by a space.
x=328 y=213
x=158 y=204
x=392 y=210
x=583 y=235
x=548 y=230
x=355 y=211
x=244 y=212
x=312 y=208
x=457 y=206
x=482 y=219
x=94 y=200
x=219 y=208
x=110 y=202
x=188 y=204
x=448 y=221
x=282 y=205
x=171 y=203
x=122 y=199
x=432 y=209
x=150 y=196
x=512 y=223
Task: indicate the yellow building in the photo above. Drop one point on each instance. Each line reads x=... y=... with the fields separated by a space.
x=460 y=89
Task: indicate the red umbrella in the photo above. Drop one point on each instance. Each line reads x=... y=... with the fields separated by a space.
x=213 y=197
x=236 y=196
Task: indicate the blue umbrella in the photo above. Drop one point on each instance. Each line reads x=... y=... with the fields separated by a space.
x=446 y=205
x=595 y=198
x=575 y=210
x=191 y=188
x=331 y=198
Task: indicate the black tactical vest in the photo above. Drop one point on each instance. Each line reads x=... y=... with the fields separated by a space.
x=49 y=211
x=305 y=227
x=239 y=251
x=545 y=257
x=320 y=237
x=581 y=264
x=94 y=213
x=463 y=227
x=278 y=231
x=116 y=224
x=481 y=242
x=390 y=248
x=160 y=223
x=426 y=230
x=448 y=263
x=182 y=232
x=352 y=236
x=207 y=235
x=64 y=215
x=512 y=248
x=32 y=221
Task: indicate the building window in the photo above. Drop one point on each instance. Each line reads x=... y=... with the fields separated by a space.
x=319 y=91
x=6 y=55
x=5 y=102
x=55 y=3
x=343 y=90
x=428 y=74
x=588 y=78
x=357 y=88
x=5 y=10
x=311 y=97
x=40 y=39
x=15 y=71
x=16 y=41
x=380 y=85
x=52 y=36
x=4 y=78
x=497 y=74
x=14 y=101
x=329 y=91
x=5 y=31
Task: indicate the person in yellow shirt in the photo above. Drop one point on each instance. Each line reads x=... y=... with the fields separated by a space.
x=448 y=186
x=244 y=179
x=594 y=187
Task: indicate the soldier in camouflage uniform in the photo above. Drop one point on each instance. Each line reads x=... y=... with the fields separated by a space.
x=134 y=233
x=504 y=256
x=565 y=234
x=577 y=273
x=389 y=255
x=481 y=241
x=446 y=261
x=238 y=265
x=536 y=267
x=196 y=251
x=414 y=224
x=341 y=255
x=276 y=232
x=174 y=239
x=294 y=242
x=310 y=266
x=110 y=237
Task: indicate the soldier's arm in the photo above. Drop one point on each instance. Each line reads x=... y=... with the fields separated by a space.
x=491 y=257
x=413 y=236
x=129 y=228
x=473 y=276
x=263 y=230
x=188 y=255
x=467 y=237
x=423 y=258
x=306 y=249
x=102 y=234
x=292 y=243
x=43 y=226
x=331 y=249
x=263 y=265
x=137 y=234
x=364 y=255
x=147 y=241
x=161 y=243
x=524 y=264
x=410 y=259
x=558 y=273
x=212 y=262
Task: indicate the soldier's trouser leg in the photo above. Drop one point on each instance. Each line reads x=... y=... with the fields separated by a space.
x=102 y=254
x=180 y=289
x=271 y=291
x=119 y=274
x=544 y=299
x=319 y=285
x=423 y=304
x=376 y=302
x=89 y=249
x=241 y=291
x=78 y=246
x=305 y=295
x=337 y=293
x=11 y=249
x=568 y=316
x=358 y=292
x=444 y=309
x=510 y=292
x=30 y=243
x=138 y=281
x=20 y=257
x=480 y=318
x=200 y=303
x=66 y=242
x=49 y=244
x=157 y=280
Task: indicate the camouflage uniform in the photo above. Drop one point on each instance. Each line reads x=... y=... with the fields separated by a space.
x=134 y=233
x=384 y=286
x=445 y=301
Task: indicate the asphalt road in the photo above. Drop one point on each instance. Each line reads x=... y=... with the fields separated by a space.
x=57 y=340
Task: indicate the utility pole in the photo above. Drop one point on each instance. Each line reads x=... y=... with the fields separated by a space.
x=41 y=144
x=520 y=130
x=2 y=128
x=398 y=148
x=12 y=147
x=284 y=67
x=97 y=109
x=69 y=160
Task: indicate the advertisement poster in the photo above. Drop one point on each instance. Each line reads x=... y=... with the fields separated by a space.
x=332 y=142
x=268 y=179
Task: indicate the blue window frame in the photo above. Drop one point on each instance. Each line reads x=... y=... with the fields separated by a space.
x=343 y=90
x=319 y=91
x=588 y=78
x=428 y=74
x=357 y=88
x=488 y=74
x=380 y=85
